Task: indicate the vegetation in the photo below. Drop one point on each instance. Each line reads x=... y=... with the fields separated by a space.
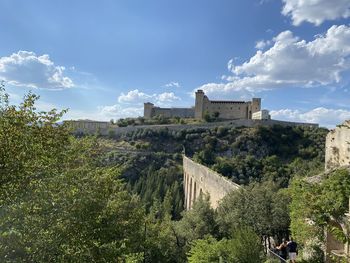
x=69 y=199
x=156 y=120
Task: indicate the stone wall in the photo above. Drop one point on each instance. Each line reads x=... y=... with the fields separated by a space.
x=149 y=111
x=338 y=146
x=173 y=112
x=228 y=110
x=200 y=179
x=119 y=131
x=88 y=126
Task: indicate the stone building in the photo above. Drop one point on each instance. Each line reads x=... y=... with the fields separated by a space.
x=199 y=179
x=338 y=146
x=150 y=111
x=88 y=126
x=338 y=155
x=224 y=109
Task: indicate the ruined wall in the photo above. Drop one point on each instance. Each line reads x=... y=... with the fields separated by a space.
x=200 y=179
x=338 y=146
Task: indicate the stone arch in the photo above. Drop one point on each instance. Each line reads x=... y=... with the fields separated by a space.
x=190 y=195
x=185 y=187
x=194 y=191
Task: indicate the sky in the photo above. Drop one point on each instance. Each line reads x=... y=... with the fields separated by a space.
x=103 y=59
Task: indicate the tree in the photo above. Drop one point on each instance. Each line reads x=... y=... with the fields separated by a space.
x=32 y=146
x=197 y=222
x=243 y=247
x=207 y=117
x=262 y=207
x=81 y=215
x=57 y=204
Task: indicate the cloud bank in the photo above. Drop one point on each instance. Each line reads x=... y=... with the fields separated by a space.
x=27 y=69
x=291 y=62
x=136 y=96
x=326 y=117
x=130 y=104
x=315 y=11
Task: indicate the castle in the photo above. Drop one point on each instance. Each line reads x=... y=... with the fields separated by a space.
x=222 y=109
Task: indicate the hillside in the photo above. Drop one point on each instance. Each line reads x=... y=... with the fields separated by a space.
x=151 y=159
x=98 y=199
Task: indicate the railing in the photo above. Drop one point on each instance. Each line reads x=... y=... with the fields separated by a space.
x=274 y=254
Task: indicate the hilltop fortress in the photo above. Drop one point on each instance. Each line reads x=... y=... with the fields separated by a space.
x=223 y=109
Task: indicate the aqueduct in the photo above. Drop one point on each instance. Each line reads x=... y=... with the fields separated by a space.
x=200 y=179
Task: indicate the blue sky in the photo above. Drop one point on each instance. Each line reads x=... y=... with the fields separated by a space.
x=103 y=59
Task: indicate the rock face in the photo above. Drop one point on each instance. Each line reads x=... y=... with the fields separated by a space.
x=200 y=179
x=338 y=147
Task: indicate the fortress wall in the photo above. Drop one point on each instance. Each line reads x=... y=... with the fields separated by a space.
x=228 y=110
x=174 y=112
x=338 y=146
x=119 y=131
x=200 y=179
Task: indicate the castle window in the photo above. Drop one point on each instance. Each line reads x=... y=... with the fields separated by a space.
x=231 y=108
x=239 y=108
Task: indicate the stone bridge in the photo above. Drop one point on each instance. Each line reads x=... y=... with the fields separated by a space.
x=200 y=179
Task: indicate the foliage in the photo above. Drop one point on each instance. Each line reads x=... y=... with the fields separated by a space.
x=315 y=205
x=81 y=215
x=243 y=247
x=197 y=222
x=57 y=204
x=31 y=143
x=262 y=207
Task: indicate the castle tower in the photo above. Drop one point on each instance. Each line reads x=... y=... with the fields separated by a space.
x=256 y=105
x=147 y=110
x=198 y=108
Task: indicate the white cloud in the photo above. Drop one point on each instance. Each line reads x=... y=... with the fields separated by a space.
x=139 y=97
x=133 y=96
x=26 y=69
x=167 y=97
x=129 y=104
x=104 y=113
x=324 y=116
x=172 y=84
x=262 y=44
x=291 y=62
x=118 y=111
x=315 y=11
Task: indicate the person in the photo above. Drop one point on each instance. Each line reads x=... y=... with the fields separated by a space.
x=292 y=248
x=283 y=249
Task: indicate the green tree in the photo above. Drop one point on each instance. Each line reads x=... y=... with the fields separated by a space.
x=244 y=247
x=32 y=146
x=57 y=204
x=262 y=207
x=197 y=222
